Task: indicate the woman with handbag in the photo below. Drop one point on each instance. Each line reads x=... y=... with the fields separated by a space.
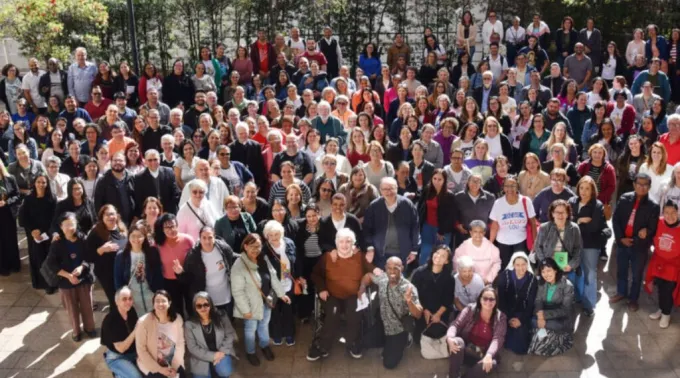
x=281 y=254
x=553 y=332
x=255 y=288
x=588 y=212
x=513 y=221
x=434 y=281
x=560 y=239
x=476 y=336
x=517 y=287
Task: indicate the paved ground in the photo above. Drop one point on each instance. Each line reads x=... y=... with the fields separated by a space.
x=35 y=342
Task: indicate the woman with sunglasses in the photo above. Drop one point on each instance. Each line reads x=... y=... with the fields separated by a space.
x=552 y=332
x=476 y=336
x=210 y=339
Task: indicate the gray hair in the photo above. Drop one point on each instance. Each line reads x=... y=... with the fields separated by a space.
x=241 y=126
x=168 y=138
x=124 y=288
x=55 y=160
x=176 y=111
x=465 y=262
x=478 y=223
x=150 y=153
x=273 y=226
x=345 y=233
x=389 y=180
x=198 y=184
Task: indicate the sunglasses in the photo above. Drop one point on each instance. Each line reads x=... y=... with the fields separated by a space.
x=202 y=305
x=489 y=299
x=326 y=190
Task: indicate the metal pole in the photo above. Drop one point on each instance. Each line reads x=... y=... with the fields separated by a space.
x=133 y=36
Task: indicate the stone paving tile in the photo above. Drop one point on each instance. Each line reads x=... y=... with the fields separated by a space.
x=35 y=340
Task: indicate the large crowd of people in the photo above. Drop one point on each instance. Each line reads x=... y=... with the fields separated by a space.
x=276 y=189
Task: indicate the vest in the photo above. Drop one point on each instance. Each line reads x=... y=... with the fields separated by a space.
x=330 y=51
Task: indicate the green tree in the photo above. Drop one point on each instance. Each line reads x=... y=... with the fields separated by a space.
x=53 y=28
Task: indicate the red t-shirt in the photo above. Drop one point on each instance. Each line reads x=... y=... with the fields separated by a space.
x=628 y=232
x=481 y=334
x=263 y=49
x=432 y=205
x=673 y=149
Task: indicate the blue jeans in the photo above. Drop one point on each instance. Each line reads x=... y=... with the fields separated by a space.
x=223 y=369
x=251 y=326
x=627 y=257
x=428 y=237
x=577 y=281
x=589 y=257
x=122 y=365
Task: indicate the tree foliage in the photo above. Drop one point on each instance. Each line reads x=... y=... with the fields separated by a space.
x=53 y=28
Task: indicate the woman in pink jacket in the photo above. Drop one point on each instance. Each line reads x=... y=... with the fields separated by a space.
x=486 y=255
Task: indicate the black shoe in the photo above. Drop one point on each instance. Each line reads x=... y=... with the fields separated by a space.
x=50 y=290
x=315 y=353
x=268 y=354
x=355 y=351
x=588 y=312
x=252 y=358
x=75 y=337
x=91 y=334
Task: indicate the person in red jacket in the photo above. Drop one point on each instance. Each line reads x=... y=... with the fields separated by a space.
x=599 y=168
x=263 y=55
x=622 y=114
x=664 y=266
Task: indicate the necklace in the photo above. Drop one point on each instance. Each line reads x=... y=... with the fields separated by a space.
x=207 y=329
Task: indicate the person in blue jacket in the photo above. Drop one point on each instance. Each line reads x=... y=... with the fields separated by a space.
x=369 y=61
x=659 y=80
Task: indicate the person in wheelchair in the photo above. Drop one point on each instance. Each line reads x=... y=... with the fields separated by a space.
x=339 y=278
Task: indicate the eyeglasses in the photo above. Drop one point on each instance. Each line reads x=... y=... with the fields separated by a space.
x=197 y=192
x=326 y=190
x=332 y=163
x=202 y=305
x=489 y=299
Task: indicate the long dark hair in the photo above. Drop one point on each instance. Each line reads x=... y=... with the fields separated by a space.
x=317 y=194
x=49 y=196
x=100 y=228
x=448 y=268
x=478 y=308
x=430 y=191
x=172 y=314
x=159 y=233
x=69 y=189
x=213 y=315
x=151 y=255
x=624 y=159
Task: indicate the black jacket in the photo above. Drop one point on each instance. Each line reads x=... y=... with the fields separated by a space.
x=646 y=216
x=494 y=187
x=12 y=195
x=72 y=168
x=250 y=154
x=274 y=72
x=516 y=302
x=86 y=215
x=478 y=94
x=445 y=211
x=327 y=232
x=106 y=191
x=559 y=41
x=192 y=114
x=45 y=85
x=466 y=210
x=427 y=170
x=153 y=269
x=178 y=89
x=165 y=189
x=193 y=277
x=59 y=258
x=395 y=154
x=591 y=232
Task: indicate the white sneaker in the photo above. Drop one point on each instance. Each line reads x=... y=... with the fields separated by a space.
x=665 y=321
x=656 y=315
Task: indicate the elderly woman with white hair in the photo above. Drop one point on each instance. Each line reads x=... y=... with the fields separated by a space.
x=468 y=283
x=485 y=255
x=280 y=251
x=168 y=154
x=327 y=124
x=197 y=211
x=339 y=283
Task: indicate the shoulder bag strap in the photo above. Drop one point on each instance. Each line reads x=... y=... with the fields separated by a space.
x=389 y=301
x=530 y=226
x=197 y=217
x=255 y=282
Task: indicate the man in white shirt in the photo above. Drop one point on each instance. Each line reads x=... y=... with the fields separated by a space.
x=296 y=43
x=515 y=36
x=31 y=88
x=216 y=191
x=497 y=63
x=491 y=25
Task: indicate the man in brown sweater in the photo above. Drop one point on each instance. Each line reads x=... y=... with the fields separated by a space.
x=339 y=278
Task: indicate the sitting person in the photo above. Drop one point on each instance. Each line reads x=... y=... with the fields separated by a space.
x=338 y=284
x=476 y=337
x=118 y=336
x=468 y=283
x=159 y=339
x=553 y=331
x=434 y=281
x=485 y=255
x=210 y=339
x=398 y=299
x=516 y=295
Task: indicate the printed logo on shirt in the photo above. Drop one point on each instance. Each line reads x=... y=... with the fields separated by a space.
x=220 y=265
x=666 y=242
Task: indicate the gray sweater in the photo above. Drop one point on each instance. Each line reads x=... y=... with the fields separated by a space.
x=558 y=312
x=548 y=236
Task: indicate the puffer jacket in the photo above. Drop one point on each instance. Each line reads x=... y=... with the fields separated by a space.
x=245 y=292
